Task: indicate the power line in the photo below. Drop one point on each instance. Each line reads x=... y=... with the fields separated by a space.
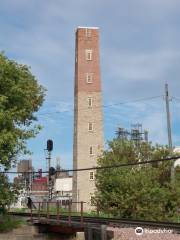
x=100 y=168
x=177 y=99
x=133 y=101
x=105 y=106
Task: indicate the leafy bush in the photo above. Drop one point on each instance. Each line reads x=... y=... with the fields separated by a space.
x=139 y=191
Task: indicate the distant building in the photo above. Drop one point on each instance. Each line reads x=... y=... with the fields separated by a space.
x=63 y=189
x=24 y=166
x=35 y=185
x=136 y=134
x=39 y=189
x=60 y=173
x=24 y=169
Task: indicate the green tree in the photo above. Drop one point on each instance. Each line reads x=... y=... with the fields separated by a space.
x=140 y=191
x=8 y=193
x=20 y=97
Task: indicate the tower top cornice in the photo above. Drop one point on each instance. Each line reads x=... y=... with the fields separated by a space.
x=87 y=27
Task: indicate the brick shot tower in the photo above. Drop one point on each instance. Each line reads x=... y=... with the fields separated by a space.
x=88 y=121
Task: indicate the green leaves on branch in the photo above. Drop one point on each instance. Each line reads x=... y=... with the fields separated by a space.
x=8 y=193
x=141 y=191
x=20 y=97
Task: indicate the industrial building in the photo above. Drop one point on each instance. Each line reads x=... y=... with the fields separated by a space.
x=36 y=185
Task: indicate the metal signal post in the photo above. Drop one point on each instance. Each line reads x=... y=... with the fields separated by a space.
x=49 y=149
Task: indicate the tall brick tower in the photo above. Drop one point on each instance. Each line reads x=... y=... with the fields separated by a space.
x=88 y=122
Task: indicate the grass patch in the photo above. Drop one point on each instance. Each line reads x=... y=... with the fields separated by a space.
x=8 y=223
x=62 y=211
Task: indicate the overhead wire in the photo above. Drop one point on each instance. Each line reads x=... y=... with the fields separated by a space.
x=103 y=106
x=177 y=99
x=101 y=167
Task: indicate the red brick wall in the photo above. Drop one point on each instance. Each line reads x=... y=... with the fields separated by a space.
x=82 y=66
x=38 y=185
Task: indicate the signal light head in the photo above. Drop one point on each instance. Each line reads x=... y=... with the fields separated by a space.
x=49 y=145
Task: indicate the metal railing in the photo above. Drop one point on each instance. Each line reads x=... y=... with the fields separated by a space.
x=48 y=209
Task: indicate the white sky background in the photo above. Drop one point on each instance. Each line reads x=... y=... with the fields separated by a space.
x=140 y=52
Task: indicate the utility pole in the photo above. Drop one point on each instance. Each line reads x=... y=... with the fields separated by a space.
x=168 y=117
x=169 y=126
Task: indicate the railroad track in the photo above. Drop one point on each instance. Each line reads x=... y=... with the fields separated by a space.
x=114 y=222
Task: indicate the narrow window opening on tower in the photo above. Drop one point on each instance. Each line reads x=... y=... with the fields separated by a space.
x=90 y=126
x=91 y=200
x=91 y=150
x=88 y=54
x=89 y=77
x=89 y=101
x=88 y=32
x=91 y=175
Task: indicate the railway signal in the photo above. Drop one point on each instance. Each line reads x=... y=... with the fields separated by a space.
x=49 y=145
x=52 y=172
x=50 y=169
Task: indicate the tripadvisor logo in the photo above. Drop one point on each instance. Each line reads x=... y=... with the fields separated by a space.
x=139 y=231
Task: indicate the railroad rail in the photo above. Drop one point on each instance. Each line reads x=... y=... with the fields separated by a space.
x=114 y=222
x=41 y=213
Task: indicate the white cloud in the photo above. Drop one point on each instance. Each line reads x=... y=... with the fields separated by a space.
x=151 y=65
x=64 y=107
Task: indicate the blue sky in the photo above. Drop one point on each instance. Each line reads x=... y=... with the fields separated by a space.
x=140 y=52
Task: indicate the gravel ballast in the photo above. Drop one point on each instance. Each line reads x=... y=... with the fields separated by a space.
x=145 y=234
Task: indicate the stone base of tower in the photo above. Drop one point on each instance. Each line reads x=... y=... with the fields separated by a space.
x=84 y=193
x=84 y=181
